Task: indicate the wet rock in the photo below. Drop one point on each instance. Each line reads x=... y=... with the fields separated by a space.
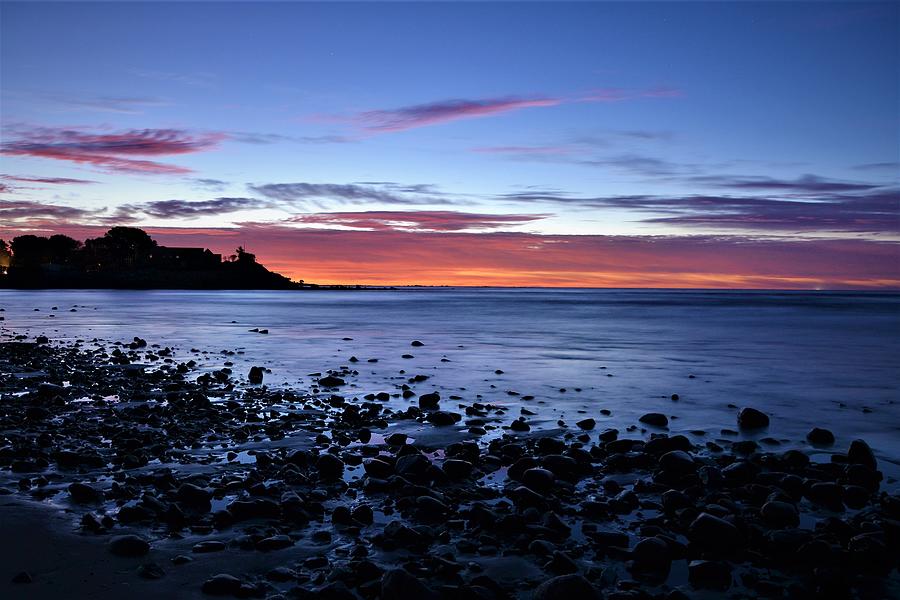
x=820 y=437
x=861 y=454
x=714 y=533
x=566 y=587
x=330 y=381
x=750 y=418
x=827 y=494
x=457 y=468
x=586 y=423
x=193 y=495
x=330 y=467
x=430 y=401
x=416 y=344
x=221 y=585
x=652 y=554
x=399 y=584
x=22 y=577
x=208 y=546
x=376 y=467
x=779 y=514
x=538 y=479
x=443 y=418
x=256 y=375
x=275 y=542
x=151 y=571
x=84 y=494
x=128 y=545
x=655 y=419
x=677 y=462
x=709 y=574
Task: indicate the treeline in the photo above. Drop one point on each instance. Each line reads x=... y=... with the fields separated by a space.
x=127 y=257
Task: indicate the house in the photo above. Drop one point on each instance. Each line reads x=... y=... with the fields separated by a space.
x=184 y=258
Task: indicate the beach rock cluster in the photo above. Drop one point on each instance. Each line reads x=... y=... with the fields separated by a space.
x=145 y=449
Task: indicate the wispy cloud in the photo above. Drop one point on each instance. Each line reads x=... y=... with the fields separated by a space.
x=443 y=111
x=21 y=212
x=872 y=211
x=320 y=194
x=804 y=183
x=111 y=151
x=185 y=209
x=50 y=180
x=197 y=79
x=435 y=221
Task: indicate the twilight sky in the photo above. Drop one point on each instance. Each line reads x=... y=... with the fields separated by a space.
x=672 y=144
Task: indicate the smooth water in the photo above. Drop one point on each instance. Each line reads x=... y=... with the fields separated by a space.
x=827 y=359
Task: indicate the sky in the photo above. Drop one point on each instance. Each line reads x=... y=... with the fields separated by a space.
x=601 y=144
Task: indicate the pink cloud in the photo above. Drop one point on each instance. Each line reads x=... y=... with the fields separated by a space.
x=426 y=220
x=112 y=151
x=433 y=113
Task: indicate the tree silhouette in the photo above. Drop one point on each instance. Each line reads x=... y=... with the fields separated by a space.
x=30 y=251
x=63 y=249
x=120 y=247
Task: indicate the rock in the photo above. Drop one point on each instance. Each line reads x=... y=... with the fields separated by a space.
x=22 y=577
x=83 y=493
x=750 y=418
x=861 y=454
x=275 y=542
x=193 y=495
x=443 y=418
x=655 y=419
x=780 y=515
x=221 y=585
x=519 y=425
x=677 y=462
x=363 y=514
x=256 y=375
x=416 y=344
x=652 y=554
x=820 y=437
x=375 y=467
x=456 y=468
x=586 y=423
x=207 y=546
x=429 y=401
x=330 y=467
x=709 y=574
x=566 y=587
x=714 y=533
x=827 y=494
x=128 y=545
x=540 y=480
x=151 y=571
x=399 y=584
x=331 y=381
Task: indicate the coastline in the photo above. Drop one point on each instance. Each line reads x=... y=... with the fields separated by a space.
x=328 y=491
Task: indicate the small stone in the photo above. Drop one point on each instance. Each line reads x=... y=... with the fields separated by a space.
x=820 y=437
x=861 y=454
x=330 y=467
x=128 y=545
x=399 y=584
x=151 y=571
x=750 y=418
x=22 y=577
x=655 y=419
x=256 y=375
x=780 y=515
x=207 y=546
x=566 y=587
x=221 y=585
x=586 y=423
x=677 y=462
x=275 y=542
x=709 y=574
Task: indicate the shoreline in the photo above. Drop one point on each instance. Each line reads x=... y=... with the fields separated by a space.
x=311 y=490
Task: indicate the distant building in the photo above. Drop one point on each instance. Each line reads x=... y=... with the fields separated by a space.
x=184 y=258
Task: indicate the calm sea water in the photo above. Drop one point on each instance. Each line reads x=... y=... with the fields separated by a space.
x=808 y=359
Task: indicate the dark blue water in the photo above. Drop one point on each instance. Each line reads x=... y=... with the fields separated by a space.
x=808 y=359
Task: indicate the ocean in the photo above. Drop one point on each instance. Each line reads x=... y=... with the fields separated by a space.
x=808 y=359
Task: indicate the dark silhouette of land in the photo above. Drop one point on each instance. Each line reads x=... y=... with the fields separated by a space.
x=128 y=258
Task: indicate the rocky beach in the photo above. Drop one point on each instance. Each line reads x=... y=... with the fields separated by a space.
x=128 y=469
